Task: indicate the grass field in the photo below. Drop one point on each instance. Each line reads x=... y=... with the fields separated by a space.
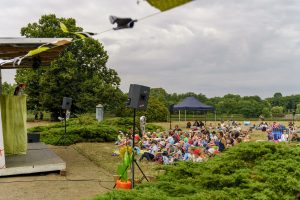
x=254 y=136
x=101 y=153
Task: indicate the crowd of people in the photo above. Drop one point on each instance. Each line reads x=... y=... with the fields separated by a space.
x=278 y=132
x=197 y=143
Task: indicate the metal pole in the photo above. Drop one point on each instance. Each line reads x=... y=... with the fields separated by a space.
x=132 y=162
x=294 y=113
x=215 y=115
x=65 y=124
x=2 y=153
x=0 y=81
x=170 y=121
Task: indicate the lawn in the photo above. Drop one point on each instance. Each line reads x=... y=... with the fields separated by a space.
x=101 y=155
x=254 y=136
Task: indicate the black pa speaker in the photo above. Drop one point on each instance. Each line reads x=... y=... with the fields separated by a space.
x=67 y=103
x=138 y=96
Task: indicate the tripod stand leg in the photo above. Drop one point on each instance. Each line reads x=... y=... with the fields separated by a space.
x=141 y=170
x=144 y=176
x=65 y=138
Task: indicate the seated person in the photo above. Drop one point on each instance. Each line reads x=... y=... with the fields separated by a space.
x=295 y=137
x=202 y=124
x=120 y=138
x=196 y=123
x=220 y=142
x=177 y=128
x=177 y=156
x=151 y=153
x=188 y=125
x=196 y=156
x=188 y=154
x=67 y=115
x=165 y=158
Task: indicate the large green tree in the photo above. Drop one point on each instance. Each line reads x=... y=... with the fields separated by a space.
x=160 y=94
x=156 y=110
x=277 y=111
x=250 y=108
x=79 y=72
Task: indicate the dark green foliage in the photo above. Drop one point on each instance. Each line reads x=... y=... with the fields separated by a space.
x=277 y=111
x=80 y=72
x=8 y=89
x=247 y=171
x=156 y=110
x=48 y=26
x=266 y=113
x=125 y=124
x=86 y=129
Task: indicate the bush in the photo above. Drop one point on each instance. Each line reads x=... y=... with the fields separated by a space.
x=124 y=124
x=247 y=171
x=86 y=129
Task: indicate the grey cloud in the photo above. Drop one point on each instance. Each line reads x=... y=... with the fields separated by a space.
x=212 y=47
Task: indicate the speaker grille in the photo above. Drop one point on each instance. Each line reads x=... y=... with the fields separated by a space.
x=138 y=96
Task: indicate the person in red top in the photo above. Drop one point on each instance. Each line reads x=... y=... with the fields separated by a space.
x=137 y=138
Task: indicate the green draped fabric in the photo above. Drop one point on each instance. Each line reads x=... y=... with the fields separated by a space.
x=14 y=115
x=164 y=5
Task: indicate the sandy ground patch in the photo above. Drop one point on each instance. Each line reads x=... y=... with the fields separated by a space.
x=84 y=180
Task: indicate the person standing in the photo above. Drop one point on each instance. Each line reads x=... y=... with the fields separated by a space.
x=19 y=89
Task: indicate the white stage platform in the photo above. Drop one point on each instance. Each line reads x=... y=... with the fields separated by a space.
x=39 y=158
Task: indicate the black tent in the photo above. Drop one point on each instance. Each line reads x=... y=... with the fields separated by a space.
x=191 y=103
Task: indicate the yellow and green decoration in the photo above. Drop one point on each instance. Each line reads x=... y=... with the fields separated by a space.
x=164 y=5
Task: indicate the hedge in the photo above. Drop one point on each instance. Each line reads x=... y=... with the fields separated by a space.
x=86 y=129
x=247 y=171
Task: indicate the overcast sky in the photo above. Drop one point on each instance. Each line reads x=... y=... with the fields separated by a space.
x=212 y=47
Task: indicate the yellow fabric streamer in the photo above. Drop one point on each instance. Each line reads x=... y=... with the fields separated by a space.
x=164 y=5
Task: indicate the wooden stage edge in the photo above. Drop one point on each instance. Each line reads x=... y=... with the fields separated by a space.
x=39 y=158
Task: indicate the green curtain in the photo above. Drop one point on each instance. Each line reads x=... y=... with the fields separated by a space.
x=14 y=115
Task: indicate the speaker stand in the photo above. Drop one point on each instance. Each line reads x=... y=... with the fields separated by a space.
x=65 y=138
x=144 y=176
x=133 y=137
x=170 y=121
x=133 y=160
